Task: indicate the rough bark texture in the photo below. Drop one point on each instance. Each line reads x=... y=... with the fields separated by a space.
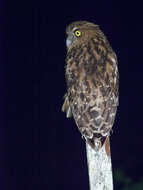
x=100 y=167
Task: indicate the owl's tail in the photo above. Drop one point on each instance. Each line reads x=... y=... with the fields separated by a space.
x=97 y=142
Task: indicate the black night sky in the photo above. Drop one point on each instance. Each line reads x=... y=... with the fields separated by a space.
x=39 y=147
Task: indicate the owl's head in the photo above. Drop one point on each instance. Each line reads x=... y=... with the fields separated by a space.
x=79 y=32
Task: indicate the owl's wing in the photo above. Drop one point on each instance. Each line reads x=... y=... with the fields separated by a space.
x=66 y=107
x=94 y=113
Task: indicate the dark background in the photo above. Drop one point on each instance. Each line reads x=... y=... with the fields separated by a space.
x=40 y=148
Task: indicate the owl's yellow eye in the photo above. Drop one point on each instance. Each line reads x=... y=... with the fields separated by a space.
x=78 y=33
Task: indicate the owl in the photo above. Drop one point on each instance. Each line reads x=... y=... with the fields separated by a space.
x=92 y=79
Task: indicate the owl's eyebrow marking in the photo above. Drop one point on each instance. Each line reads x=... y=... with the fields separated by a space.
x=74 y=29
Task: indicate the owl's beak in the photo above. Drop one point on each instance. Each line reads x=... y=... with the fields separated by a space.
x=69 y=40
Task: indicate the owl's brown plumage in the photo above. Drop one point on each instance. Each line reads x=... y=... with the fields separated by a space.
x=92 y=82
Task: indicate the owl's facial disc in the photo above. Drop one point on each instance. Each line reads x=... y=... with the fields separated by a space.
x=69 y=39
x=73 y=36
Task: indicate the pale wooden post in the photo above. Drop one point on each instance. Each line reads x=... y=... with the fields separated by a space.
x=100 y=167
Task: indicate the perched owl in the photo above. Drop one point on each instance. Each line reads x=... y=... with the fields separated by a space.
x=92 y=82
